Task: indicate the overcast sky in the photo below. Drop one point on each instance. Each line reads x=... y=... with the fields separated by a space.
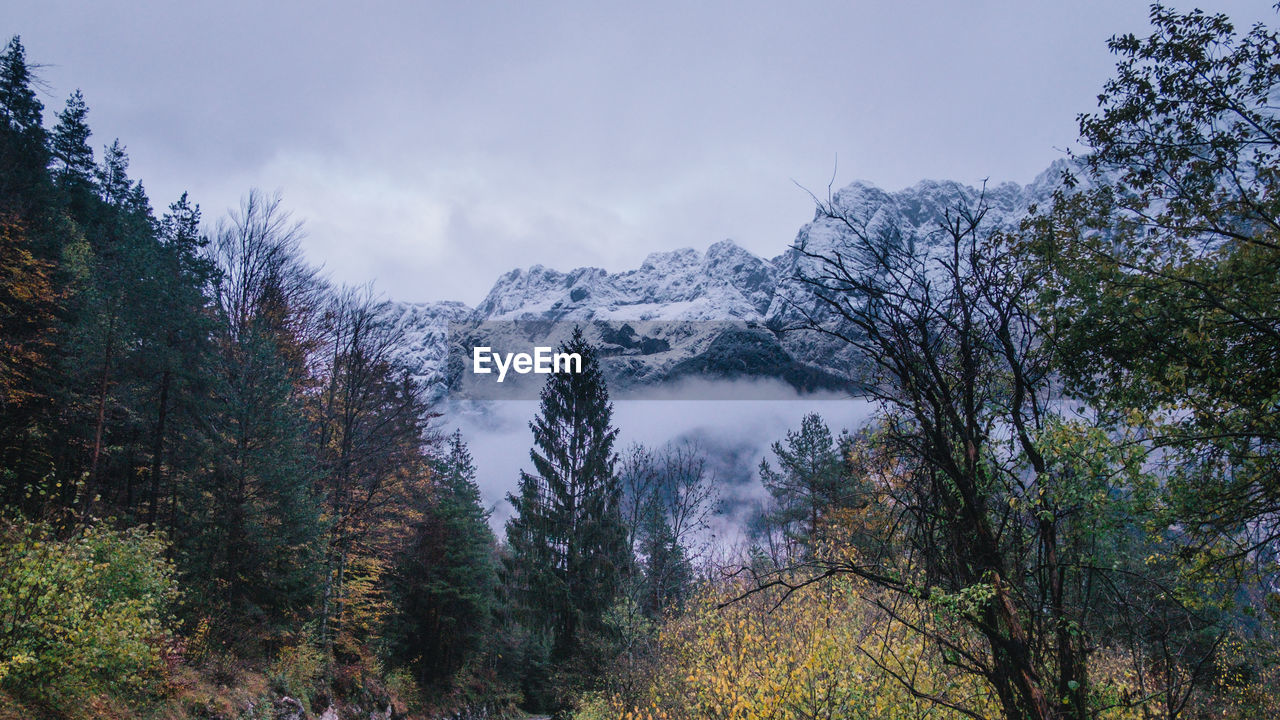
x=431 y=146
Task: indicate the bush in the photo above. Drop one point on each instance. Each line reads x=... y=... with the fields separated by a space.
x=297 y=670
x=815 y=654
x=82 y=616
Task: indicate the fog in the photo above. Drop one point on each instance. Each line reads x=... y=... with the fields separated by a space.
x=735 y=434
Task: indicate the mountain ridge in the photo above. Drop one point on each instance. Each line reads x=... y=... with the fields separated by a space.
x=685 y=287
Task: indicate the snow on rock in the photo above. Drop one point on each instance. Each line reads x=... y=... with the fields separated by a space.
x=683 y=293
x=425 y=327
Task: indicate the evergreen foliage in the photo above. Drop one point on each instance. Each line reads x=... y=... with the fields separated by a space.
x=567 y=540
x=668 y=496
x=73 y=158
x=251 y=521
x=667 y=572
x=445 y=582
x=190 y=408
x=807 y=486
x=22 y=136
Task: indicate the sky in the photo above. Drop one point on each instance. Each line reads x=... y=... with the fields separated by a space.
x=431 y=146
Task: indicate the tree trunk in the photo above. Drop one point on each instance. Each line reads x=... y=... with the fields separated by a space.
x=91 y=486
x=157 y=450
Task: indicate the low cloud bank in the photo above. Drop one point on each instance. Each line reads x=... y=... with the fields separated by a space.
x=734 y=433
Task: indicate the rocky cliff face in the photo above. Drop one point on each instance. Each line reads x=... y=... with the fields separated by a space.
x=718 y=313
x=727 y=282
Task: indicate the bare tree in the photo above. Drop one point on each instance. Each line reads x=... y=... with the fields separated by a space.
x=370 y=433
x=675 y=477
x=991 y=546
x=637 y=474
x=687 y=490
x=253 y=495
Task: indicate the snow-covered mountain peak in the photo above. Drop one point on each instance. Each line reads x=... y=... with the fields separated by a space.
x=724 y=283
x=668 y=260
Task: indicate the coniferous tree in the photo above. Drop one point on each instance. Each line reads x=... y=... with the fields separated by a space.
x=808 y=483
x=28 y=291
x=114 y=184
x=19 y=106
x=73 y=158
x=250 y=521
x=567 y=540
x=445 y=582
x=107 y=358
x=42 y=265
x=179 y=354
x=668 y=496
x=23 y=155
x=667 y=571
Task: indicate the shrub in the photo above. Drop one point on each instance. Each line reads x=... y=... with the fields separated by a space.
x=82 y=616
x=297 y=669
x=817 y=654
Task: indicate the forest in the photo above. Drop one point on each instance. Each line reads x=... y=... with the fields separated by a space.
x=223 y=494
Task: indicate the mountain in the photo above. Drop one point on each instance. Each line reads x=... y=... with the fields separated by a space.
x=683 y=313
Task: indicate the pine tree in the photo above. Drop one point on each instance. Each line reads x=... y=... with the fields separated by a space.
x=73 y=158
x=20 y=109
x=808 y=482
x=668 y=496
x=567 y=539
x=23 y=155
x=112 y=339
x=113 y=177
x=445 y=582
x=179 y=352
x=667 y=572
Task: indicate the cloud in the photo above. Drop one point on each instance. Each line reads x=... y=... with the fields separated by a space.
x=735 y=433
x=433 y=146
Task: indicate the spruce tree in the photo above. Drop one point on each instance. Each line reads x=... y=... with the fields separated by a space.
x=30 y=291
x=808 y=483
x=23 y=155
x=73 y=158
x=113 y=177
x=19 y=106
x=567 y=539
x=445 y=583
x=178 y=353
x=111 y=339
x=668 y=574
